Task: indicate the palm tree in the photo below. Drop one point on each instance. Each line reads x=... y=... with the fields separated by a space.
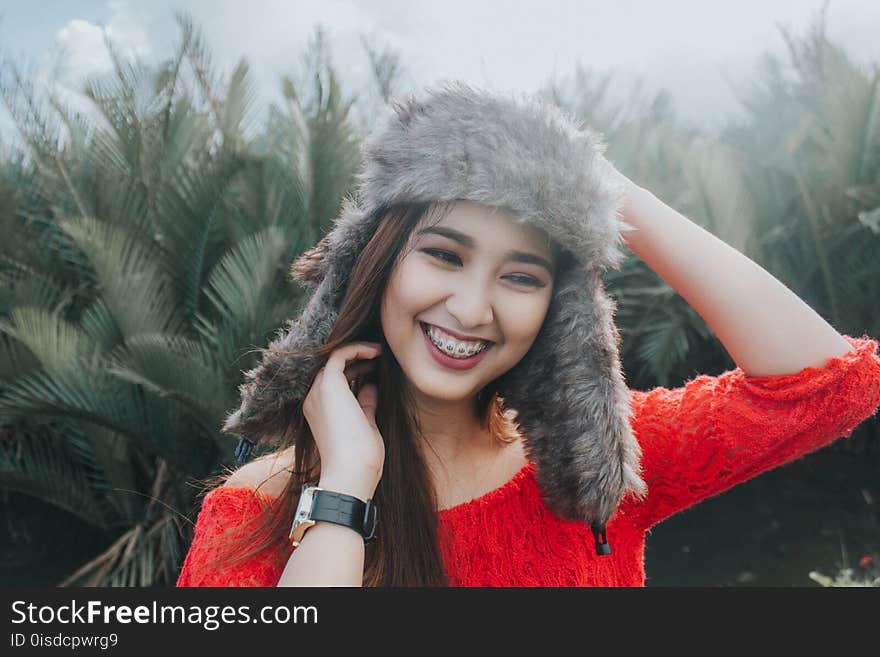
x=147 y=248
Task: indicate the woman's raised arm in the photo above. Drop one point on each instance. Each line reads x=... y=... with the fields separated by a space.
x=766 y=328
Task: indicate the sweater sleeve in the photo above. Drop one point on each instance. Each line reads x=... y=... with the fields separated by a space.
x=715 y=432
x=223 y=516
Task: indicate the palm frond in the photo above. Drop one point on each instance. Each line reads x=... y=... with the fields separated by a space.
x=335 y=151
x=132 y=284
x=242 y=290
x=173 y=367
x=199 y=56
x=287 y=181
x=61 y=348
x=22 y=285
x=239 y=115
x=718 y=198
x=41 y=466
x=188 y=219
x=664 y=345
x=141 y=557
x=113 y=455
x=98 y=323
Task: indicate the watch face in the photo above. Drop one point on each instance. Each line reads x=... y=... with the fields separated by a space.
x=302 y=519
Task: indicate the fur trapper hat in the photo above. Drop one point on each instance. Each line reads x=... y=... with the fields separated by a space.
x=459 y=142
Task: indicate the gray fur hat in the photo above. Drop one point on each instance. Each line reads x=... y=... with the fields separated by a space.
x=459 y=142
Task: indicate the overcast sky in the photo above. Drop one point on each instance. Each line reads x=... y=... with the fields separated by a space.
x=693 y=48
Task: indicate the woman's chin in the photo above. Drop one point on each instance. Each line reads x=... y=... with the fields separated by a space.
x=444 y=393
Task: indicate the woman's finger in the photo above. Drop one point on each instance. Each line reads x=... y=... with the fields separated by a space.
x=359 y=368
x=342 y=356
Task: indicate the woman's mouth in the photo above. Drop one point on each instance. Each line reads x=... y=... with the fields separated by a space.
x=452 y=353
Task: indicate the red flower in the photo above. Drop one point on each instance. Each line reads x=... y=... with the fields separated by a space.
x=866 y=561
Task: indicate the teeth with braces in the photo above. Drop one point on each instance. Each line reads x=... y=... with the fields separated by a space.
x=455 y=349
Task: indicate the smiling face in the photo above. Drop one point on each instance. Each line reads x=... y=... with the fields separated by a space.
x=476 y=273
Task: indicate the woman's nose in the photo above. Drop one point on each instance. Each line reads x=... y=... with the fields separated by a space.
x=471 y=305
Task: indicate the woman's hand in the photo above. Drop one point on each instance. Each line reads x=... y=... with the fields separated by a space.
x=344 y=425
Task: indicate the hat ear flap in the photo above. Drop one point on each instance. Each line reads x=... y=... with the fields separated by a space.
x=280 y=381
x=573 y=404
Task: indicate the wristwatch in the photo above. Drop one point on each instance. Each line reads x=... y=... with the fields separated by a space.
x=317 y=503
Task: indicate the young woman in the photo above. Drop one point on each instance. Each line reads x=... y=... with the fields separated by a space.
x=445 y=299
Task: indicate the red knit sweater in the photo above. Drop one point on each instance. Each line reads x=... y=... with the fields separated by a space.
x=697 y=441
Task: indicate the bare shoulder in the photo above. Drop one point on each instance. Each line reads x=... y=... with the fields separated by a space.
x=269 y=473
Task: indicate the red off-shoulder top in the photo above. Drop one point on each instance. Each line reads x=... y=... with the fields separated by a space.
x=697 y=441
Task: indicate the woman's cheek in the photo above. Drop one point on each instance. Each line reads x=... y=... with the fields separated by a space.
x=420 y=286
x=529 y=311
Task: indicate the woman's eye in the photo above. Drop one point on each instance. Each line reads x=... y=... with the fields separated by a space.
x=527 y=280
x=451 y=258
x=445 y=256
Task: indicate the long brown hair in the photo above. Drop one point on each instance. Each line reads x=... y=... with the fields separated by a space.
x=406 y=550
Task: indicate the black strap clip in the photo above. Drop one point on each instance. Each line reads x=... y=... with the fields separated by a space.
x=602 y=545
x=243 y=449
x=371 y=520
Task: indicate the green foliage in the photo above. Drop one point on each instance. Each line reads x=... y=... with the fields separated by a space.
x=145 y=253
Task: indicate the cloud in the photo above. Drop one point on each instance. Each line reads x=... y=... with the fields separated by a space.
x=80 y=50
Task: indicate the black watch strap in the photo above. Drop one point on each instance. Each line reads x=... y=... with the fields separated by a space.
x=345 y=510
